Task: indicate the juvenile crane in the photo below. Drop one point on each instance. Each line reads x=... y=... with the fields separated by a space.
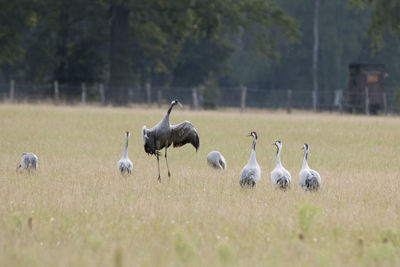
x=29 y=162
x=163 y=135
x=124 y=165
x=280 y=177
x=251 y=173
x=309 y=179
x=216 y=160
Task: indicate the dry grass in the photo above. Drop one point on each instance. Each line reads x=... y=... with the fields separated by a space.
x=77 y=211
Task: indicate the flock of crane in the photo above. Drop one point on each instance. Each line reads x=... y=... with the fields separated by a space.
x=163 y=135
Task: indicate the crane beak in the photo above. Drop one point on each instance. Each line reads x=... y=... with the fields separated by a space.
x=180 y=105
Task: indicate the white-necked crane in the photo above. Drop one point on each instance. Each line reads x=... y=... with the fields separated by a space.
x=29 y=162
x=163 y=135
x=216 y=160
x=124 y=165
x=309 y=179
x=280 y=177
x=251 y=173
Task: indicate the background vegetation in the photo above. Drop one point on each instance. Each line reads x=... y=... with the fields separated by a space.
x=258 y=43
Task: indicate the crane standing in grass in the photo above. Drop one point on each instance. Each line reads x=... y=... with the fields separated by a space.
x=251 y=173
x=308 y=178
x=124 y=165
x=216 y=160
x=29 y=162
x=280 y=177
x=163 y=135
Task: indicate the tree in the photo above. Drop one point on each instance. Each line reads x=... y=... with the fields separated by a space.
x=15 y=17
x=385 y=16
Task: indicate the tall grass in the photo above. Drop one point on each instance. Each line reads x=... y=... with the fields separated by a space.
x=78 y=211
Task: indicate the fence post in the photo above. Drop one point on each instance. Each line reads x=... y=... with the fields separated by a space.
x=102 y=94
x=366 y=101
x=385 y=109
x=340 y=92
x=289 y=101
x=148 y=92
x=12 y=88
x=83 y=99
x=314 y=100
x=243 y=98
x=159 y=97
x=56 y=92
x=195 y=99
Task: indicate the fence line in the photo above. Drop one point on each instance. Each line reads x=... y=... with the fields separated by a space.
x=238 y=97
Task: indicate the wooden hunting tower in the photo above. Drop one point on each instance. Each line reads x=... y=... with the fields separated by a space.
x=366 y=91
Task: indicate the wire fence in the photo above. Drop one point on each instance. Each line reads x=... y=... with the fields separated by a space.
x=209 y=98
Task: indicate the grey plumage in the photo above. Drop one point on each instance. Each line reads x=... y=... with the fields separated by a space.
x=309 y=179
x=124 y=165
x=311 y=184
x=29 y=162
x=216 y=160
x=251 y=172
x=280 y=177
x=163 y=135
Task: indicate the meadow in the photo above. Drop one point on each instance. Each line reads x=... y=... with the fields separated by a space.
x=76 y=210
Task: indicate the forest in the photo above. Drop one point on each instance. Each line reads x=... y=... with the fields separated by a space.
x=261 y=44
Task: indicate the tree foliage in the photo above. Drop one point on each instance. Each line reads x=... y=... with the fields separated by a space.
x=385 y=16
x=257 y=43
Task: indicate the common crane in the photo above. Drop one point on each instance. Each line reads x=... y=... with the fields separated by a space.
x=163 y=135
x=280 y=177
x=29 y=162
x=250 y=174
x=216 y=160
x=124 y=165
x=308 y=179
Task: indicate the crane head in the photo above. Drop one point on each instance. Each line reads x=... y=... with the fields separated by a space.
x=127 y=133
x=278 y=143
x=253 y=134
x=176 y=102
x=305 y=147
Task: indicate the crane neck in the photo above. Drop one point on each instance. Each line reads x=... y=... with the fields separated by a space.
x=305 y=165
x=253 y=151
x=166 y=117
x=278 y=156
x=126 y=147
x=170 y=109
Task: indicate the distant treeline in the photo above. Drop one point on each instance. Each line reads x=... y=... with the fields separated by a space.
x=262 y=44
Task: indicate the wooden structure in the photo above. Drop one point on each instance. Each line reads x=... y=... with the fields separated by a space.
x=366 y=91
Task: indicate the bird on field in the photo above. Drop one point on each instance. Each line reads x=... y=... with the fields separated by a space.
x=216 y=160
x=309 y=179
x=29 y=162
x=280 y=177
x=251 y=173
x=124 y=165
x=163 y=135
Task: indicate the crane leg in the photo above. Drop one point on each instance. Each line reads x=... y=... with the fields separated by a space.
x=158 y=163
x=166 y=160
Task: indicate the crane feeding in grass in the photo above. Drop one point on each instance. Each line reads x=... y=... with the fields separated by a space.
x=163 y=135
x=216 y=160
x=29 y=162
x=309 y=179
x=251 y=173
x=280 y=177
x=124 y=165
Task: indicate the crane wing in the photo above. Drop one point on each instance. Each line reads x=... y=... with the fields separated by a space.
x=184 y=133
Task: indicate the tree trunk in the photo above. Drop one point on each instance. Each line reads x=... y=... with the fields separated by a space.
x=315 y=55
x=120 y=55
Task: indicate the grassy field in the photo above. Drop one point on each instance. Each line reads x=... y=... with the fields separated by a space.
x=78 y=211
